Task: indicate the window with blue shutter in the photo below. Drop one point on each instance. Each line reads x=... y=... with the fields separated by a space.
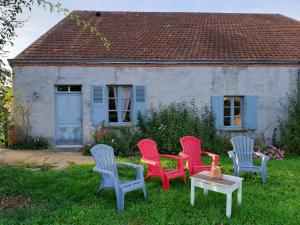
x=235 y=112
x=98 y=105
x=139 y=101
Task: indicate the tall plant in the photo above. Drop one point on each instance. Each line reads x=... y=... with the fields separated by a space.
x=290 y=129
x=167 y=124
x=5 y=100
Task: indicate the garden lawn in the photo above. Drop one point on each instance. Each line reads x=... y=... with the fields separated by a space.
x=49 y=196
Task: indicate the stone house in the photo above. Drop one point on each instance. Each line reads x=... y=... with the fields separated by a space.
x=241 y=65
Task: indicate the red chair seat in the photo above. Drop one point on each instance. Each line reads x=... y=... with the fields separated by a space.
x=151 y=156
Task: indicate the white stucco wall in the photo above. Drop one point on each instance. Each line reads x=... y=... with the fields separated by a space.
x=164 y=85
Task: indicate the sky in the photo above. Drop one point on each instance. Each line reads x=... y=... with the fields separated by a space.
x=40 y=20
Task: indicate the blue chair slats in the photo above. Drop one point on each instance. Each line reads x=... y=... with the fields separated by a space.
x=242 y=156
x=107 y=167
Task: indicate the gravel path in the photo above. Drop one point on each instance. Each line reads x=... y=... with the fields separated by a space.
x=38 y=158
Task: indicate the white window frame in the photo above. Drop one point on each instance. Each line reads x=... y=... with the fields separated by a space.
x=232 y=116
x=119 y=109
x=69 y=88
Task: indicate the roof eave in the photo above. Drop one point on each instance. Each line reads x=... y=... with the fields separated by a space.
x=158 y=61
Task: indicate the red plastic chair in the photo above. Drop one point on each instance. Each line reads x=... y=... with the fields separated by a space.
x=150 y=156
x=192 y=152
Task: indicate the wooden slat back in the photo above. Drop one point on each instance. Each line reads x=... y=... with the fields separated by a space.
x=105 y=159
x=243 y=148
x=149 y=150
x=192 y=147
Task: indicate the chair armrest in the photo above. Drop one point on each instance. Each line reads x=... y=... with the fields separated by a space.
x=128 y=164
x=179 y=160
x=139 y=169
x=231 y=154
x=148 y=161
x=214 y=157
x=102 y=171
x=263 y=156
x=183 y=155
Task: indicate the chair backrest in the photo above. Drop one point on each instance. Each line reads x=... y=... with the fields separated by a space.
x=192 y=147
x=243 y=149
x=105 y=159
x=149 y=150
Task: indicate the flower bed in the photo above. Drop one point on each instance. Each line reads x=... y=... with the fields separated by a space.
x=272 y=151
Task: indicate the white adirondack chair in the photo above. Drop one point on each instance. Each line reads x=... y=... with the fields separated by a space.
x=242 y=156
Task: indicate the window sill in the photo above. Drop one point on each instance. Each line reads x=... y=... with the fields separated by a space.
x=113 y=125
x=233 y=130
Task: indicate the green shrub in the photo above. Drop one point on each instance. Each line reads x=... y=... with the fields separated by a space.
x=86 y=149
x=31 y=143
x=290 y=129
x=122 y=139
x=168 y=124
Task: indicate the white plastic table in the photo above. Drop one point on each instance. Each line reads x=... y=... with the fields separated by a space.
x=227 y=185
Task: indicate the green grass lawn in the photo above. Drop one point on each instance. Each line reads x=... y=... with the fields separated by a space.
x=68 y=197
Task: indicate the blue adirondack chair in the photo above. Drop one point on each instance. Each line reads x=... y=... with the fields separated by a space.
x=107 y=166
x=242 y=156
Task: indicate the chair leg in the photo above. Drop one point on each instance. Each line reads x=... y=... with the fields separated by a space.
x=236 y=172
x=99 y=191
x=147 y=177
x=145 y=191
x=166 y=183
x=264 y=175
x=184 y=179
x=120 y=200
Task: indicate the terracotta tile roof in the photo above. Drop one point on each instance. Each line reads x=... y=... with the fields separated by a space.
x=143 y=36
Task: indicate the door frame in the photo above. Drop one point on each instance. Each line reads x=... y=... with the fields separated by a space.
x=55 y=115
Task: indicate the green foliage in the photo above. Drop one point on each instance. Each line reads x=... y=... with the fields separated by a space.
x=86 y=149
x=31 y=144
x=5 y=101
x=169 y=123
x=69 y=197
x=122 y=139
x=290 y=129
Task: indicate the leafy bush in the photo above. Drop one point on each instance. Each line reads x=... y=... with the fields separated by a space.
x=272 y=151
x=122 y=139
x=86 y=149
x=290 y=129
x=168 y=124
x=31 y=143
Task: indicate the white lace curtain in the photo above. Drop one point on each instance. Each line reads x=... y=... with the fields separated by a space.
x=126 y=94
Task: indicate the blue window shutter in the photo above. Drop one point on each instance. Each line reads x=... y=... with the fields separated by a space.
x=251 y=112
x=98 y=105
x=140 y=101
x=217 y=103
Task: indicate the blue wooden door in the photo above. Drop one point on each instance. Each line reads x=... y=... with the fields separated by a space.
x=68 y=119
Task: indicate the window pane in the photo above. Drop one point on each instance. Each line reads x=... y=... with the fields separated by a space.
x=113 y=103
x=237 y=111
x=226 y=101
x=226 y=121
x=113 y=92
x=62 y=88
x=237 y=101
x=237 y=121
x=75 y=88
x=226 y=111
x=126 y=117
x=113 y=116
